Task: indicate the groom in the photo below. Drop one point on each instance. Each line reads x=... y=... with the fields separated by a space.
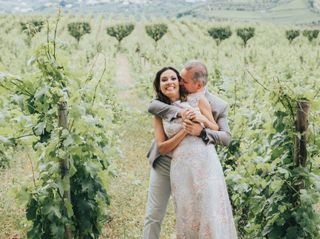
x=159 y=188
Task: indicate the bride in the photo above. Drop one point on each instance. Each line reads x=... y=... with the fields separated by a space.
x=202 y=206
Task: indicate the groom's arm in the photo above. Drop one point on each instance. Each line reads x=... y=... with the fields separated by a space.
x=163 y=110
x=223 y=136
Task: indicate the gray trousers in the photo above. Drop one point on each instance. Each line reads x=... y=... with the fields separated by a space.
x=158 y=196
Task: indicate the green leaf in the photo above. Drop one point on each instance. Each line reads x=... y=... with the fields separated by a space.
x=69 y=208
x=42 y=91
x=4 y=139
x=55 y=210
x=32 y=209
x=276 y=233
x=57 y=230
x=68 y=141
x=284 y=171
x=39 y=128
x=292 y=232
x=276 y=185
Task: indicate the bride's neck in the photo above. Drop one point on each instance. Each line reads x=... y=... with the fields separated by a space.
x=174 y=98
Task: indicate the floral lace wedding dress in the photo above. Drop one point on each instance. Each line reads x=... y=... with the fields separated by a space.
x=202 y=206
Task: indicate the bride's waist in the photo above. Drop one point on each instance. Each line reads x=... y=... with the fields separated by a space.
x=191 y=142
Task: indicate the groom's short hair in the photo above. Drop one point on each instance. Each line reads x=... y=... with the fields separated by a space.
x=199 y=70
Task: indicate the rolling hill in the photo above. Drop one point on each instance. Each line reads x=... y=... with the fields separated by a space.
x=275 y=11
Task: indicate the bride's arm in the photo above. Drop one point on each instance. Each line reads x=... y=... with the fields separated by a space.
x=166 y=145
x=206 y=111
x=206 y=116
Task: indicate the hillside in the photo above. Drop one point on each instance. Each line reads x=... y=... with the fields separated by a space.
x=275 y=11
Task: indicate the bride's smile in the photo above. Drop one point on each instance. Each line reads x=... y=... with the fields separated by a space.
x=169 y=85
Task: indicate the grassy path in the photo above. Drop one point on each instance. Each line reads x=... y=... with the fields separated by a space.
x=129 y=189
x=13 y=224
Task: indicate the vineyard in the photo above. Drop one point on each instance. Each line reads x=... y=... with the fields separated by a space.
x=74 y=127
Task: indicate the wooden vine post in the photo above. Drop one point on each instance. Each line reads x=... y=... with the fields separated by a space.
x=64 y=164
x=300 y=144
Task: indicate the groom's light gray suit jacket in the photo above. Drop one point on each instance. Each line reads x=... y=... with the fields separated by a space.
x=220 y=114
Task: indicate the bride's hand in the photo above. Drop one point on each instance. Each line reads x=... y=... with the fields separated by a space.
x=192 y=128
x=199 y=118
x=187 y=114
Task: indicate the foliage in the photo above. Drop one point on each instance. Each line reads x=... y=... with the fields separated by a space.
x=4 y=157
x=311 y=34
x=85 y=144
x=219 y=33
x=273 y=197
x=246 y=34
x=292 y=34
x=31 y=27
x=283 y=214
x=156 y=31
x=79 y=29
x=186 y=13
x=120 y=31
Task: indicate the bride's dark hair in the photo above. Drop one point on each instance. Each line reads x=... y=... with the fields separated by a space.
x=156 y=86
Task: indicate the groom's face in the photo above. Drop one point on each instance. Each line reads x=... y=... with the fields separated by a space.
x=187 y=82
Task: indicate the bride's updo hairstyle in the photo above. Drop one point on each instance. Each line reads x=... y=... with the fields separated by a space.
x=156 y=85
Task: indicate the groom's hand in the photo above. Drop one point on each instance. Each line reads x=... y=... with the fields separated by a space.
x=192 y=128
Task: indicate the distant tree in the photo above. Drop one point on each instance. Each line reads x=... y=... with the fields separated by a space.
x=120 y=31
x=31 y=27
x=219 y=33
x=186 y=13
x=245 y=34
x=78 y=29
x=156 y=31
x=311 y=34
x=292 y=34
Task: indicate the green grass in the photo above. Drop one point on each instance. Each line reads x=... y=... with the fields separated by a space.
x=12 y=210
